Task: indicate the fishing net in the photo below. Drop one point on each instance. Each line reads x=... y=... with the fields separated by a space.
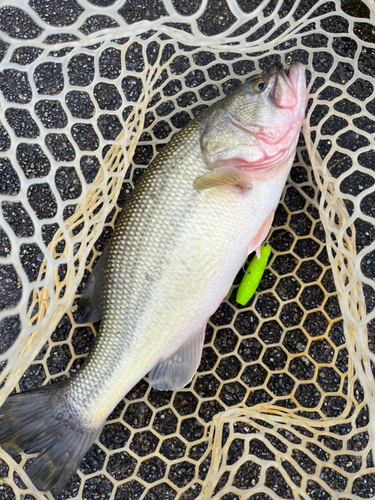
x=90 y=92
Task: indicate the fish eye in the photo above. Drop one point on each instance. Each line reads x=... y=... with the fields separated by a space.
x=256 y=85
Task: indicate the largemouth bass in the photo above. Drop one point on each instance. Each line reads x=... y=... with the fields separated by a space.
x=202 y=206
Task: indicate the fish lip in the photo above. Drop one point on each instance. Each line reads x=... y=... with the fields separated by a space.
x=275 y=70
x=284 y=92
x=285 y=75
x=296 y=76
x=291 y=75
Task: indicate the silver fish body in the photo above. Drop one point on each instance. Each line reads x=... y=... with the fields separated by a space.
x=205 y=202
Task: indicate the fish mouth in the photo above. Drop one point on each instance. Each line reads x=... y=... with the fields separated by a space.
x=285 y=85
x=294 y=74
x=291 y=75
x=284 y=74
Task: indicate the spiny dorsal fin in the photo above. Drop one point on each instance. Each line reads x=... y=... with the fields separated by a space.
x=223 y=176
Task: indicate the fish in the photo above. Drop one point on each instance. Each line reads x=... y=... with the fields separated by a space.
x=203 y=205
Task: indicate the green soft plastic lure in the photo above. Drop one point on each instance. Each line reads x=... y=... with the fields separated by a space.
x=254 y=271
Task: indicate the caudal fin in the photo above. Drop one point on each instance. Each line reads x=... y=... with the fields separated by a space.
x=42 y=422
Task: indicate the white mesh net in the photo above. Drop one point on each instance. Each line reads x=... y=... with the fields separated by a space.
x=90 y=92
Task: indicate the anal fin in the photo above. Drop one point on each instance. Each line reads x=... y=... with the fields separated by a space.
x=223 y=176
x=177 y=370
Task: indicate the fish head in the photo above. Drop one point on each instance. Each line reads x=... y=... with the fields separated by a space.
x=257 y=127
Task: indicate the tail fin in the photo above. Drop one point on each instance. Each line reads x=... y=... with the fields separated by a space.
x=43 y=422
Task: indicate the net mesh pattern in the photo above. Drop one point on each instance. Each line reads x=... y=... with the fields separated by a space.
x=90 y=92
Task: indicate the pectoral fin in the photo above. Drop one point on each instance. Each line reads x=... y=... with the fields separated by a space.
x=176 y=371
x=223 y=176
